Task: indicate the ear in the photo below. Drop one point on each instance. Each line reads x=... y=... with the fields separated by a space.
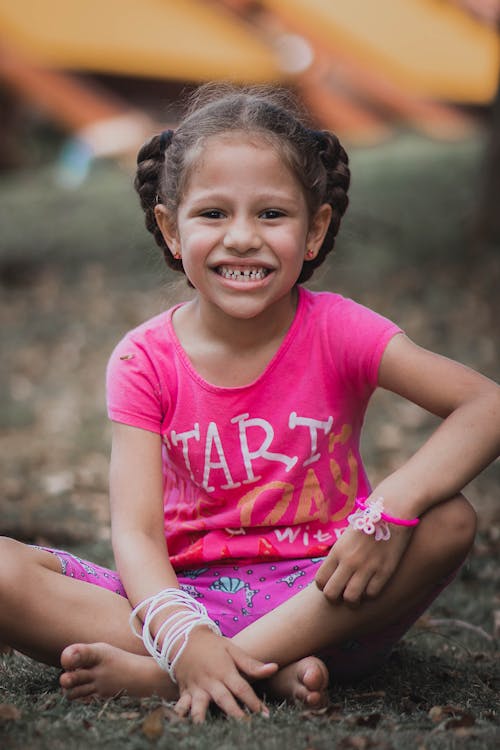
x=168 y=228
x=317 y=230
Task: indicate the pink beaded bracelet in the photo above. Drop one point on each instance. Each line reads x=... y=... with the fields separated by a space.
x=386 y=517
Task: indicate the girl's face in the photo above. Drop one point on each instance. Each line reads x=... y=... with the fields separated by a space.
x=242 y=227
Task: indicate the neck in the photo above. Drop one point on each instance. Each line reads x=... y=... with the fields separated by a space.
x=245 y=334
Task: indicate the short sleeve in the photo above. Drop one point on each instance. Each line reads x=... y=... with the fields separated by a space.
x=361 y=337
x=133 y=388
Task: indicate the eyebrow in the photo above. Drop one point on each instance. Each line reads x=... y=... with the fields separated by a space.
x=263 y=197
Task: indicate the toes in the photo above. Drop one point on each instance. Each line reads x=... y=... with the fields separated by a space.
x=78 y=684
x=315 y=676
x=71 y=657
x=70 y=680
x=314 y=699
x=80 y=655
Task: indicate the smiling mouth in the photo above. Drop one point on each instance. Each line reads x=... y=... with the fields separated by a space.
x=251 y=273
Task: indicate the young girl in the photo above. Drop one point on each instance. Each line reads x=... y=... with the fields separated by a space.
x=249 y=544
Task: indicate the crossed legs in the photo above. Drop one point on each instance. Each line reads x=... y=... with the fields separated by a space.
x=56 y=619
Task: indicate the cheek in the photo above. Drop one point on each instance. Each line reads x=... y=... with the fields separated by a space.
x=294 y=245
x=198 y=242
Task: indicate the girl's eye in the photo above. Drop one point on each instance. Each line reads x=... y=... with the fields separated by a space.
x=212 y=213
x=272 y=213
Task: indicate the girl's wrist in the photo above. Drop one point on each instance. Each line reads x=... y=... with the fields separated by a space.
x=180 y=615
x=377 y=502
x=371 y=517
x=403 y=503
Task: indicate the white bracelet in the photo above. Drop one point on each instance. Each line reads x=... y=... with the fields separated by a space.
x=369 y=519
x=177 y=626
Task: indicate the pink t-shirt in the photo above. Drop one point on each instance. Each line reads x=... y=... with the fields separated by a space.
x=269 y=470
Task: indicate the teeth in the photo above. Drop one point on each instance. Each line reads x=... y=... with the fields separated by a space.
x=235 y=274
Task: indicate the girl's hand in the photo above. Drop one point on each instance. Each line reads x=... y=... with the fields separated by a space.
x=211 y=669
x=359 y=566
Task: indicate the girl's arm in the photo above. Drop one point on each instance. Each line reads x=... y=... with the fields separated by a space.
x=136 y=492
x=211 y=667
x=464 y=443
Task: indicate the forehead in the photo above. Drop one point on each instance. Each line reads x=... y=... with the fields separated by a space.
x=254 y=157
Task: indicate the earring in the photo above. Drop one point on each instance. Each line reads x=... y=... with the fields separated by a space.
x=310 y=255
x=177 y=256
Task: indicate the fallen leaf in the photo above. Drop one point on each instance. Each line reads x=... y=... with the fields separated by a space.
x=9 y=712
x=451 y=717
x=463 y=732
x=331 y=712
x=465 y=719
x=171 y=716
x=370 y=721
x=153 y=724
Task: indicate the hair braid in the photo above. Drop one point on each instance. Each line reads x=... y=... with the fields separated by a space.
x=335 y=162
x=147 y=182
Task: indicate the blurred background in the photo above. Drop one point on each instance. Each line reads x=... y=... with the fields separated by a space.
x=411 y=88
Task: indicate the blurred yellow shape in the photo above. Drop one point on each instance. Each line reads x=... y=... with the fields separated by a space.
x=430 y=47
x=177 y=39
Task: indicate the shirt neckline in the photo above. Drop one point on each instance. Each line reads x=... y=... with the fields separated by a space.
x=273 y=362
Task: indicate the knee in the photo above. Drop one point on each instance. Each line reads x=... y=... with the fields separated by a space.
x=11 y=562
x=454 y=525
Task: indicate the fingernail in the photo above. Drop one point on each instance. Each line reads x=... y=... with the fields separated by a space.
x=265 y=712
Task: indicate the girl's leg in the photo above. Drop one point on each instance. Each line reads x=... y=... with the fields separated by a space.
x=308 y=623
x=42 y=612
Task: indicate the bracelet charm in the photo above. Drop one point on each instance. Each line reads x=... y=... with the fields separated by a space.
x=368 y=518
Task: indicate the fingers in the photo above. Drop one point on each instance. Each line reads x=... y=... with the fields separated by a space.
x=375 y=585
x=325 y=572
x=244 y=692
x=225 y=697
x=250 y=666
x=200 y=701
x=214 y=669
x=183 y=705
x=356 y=588
x=345 y=582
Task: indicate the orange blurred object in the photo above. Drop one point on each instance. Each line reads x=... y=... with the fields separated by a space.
x=430 y=48
x=178 y=39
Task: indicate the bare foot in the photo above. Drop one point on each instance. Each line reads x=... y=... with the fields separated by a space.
x=304 y=681
x=103 y=670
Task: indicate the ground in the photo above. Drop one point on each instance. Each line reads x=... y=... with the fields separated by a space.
x=77 y=270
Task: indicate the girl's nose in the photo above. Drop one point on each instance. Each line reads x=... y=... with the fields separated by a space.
x=242 y=237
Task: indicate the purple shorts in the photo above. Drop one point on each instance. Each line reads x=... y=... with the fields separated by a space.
x=237 y=595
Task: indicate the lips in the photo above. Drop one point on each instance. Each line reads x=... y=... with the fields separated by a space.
x=243 y=273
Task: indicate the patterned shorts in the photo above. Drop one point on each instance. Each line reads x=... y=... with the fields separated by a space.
x=237 y=595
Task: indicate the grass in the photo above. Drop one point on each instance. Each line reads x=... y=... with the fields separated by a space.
x=437 y=691
x=77 y=269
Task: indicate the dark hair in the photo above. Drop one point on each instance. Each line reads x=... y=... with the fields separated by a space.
x=316 y=158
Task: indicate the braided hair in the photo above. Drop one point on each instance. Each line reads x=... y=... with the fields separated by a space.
x=316 y=158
